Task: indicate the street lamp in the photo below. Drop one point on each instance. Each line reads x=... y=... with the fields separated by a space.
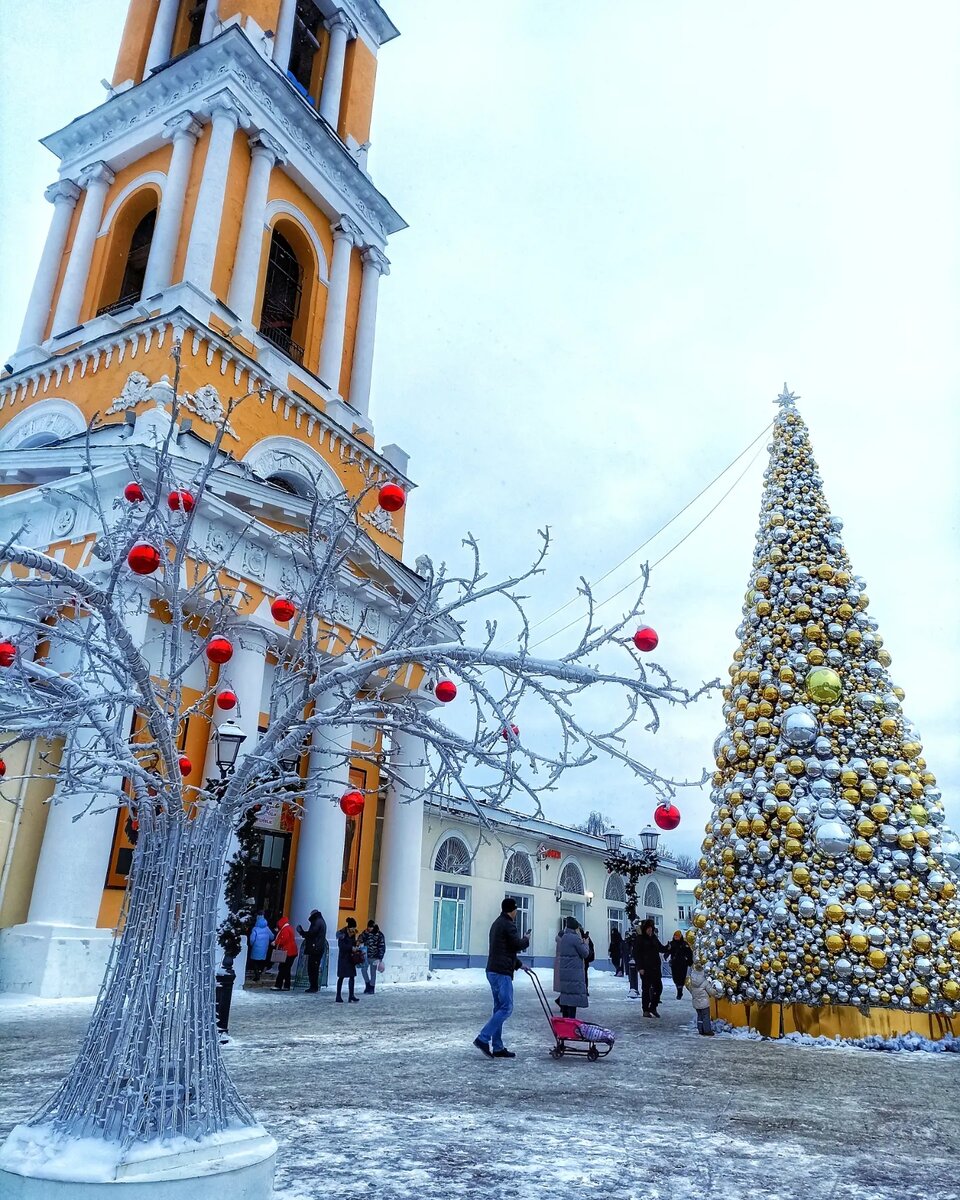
x=649 y=838
x=631 y=864
x=613 y=837
x=229 y=738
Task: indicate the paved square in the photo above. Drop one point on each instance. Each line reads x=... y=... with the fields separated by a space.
x=388 y=1098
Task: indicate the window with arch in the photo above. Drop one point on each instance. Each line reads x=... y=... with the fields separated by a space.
x=571 y=879
x=282 y=297
x=128 y=252
x=616 y=889
x=189 y=26
x=518 y=869
x=652 y=897
x=453 y=857
x=304 y=68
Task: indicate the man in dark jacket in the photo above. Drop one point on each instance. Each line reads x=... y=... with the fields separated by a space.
x=502 y=961
x=647 y=949
x=314 y=947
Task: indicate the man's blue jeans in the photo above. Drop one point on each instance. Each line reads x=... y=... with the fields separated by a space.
x=502 y=988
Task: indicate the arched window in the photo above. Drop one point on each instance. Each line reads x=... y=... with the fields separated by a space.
x=308 y=34
x=126 y=264
x=282 y=297
x=453 y=857
x=616 y=891
x=189 y=26
x=652 y=897
x=518 y=869
x=133 y=273
x=571 y=879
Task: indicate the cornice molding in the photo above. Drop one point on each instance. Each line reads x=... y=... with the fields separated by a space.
x=132 y=121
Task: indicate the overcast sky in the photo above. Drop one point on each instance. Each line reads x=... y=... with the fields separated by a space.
x=630 y=222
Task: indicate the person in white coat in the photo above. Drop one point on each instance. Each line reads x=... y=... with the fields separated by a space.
x=696 y=985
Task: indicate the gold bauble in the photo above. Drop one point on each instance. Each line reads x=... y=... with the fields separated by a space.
x=866 y=828
x=859 y=943
x=888 y=726
x=700 y=921
x=834 y=913
x=949 y=890
x=834 y=942
x=763 y=583
x=919 y=995
x=877 y=959
x=950 y=989
x=823 y=684
x=879 y=812
x=743 y=827
x=849 y=778
x=911 y=749
x=863 y=601
x=836 y=716
x=752 y=676
x=783 y=791
x=954 y=939
x=880 y=767
x=906 y=840
x=776 y=556
x=802 y=612
x=899 y=693
x=902 y=891
x=794 y=828
x=853 y=637
x=728 y=855
x=883 y=658
x=868 y=789
x=729 y=872
x=863 y=852
x=801 y=876
x=771 y=692
x=815 y=656
x=758 y=826
x=825 y=571
x=813 y=632
x=763 y=727
x=921 y=942
x=844 y=612
x=865 y=890
x=795 y=766
x=793 y=847
x=787 y=675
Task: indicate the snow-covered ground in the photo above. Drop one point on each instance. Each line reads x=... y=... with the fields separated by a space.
x=389 y=1099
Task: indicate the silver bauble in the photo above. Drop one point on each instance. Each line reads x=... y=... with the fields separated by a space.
x=799 y=726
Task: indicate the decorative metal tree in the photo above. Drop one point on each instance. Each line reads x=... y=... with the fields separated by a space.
x=149 y=1066
x=828 y=878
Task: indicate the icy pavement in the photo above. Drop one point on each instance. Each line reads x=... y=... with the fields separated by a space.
x=389 y=1099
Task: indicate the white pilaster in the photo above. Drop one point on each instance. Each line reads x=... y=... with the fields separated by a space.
x=161 y=41
x=265 y=153
x=319 y=869
x=211 y=19
x=398 y=888
x=331 y=87
x=345 y=236
x=225 y=115
x=60 y=951
x=184 y=131
x=283 y=41
x=95 y=180
x=375 y=264
x=63 y=195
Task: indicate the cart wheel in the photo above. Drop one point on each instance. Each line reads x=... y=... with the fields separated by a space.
x=556 y=1052
x=593 y=1054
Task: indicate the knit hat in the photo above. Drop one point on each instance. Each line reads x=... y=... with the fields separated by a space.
x=571 y=923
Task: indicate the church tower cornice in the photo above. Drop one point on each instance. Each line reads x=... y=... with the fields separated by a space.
x=127 y=124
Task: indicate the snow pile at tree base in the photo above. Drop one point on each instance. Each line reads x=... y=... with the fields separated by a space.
x=948 y=1044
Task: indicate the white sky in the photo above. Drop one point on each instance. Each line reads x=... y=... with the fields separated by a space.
x=630 y=223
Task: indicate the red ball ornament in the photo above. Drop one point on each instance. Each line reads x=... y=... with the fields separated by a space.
x=8 y=652
x=506 y=736
x=143 y=558
x=186 y=766
x=180 y=501
x=667 y=816
x=133 y=492
x=3 y=768
x=219 y=650
x=391 y=498
x=283 y=609
x=351 y=804
x=645 y=638
x=226 y=700
x=445 y=691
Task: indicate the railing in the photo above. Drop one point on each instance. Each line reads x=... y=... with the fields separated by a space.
x=283 y=341
x=123 y=302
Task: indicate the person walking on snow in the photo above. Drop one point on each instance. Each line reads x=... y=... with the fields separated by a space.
x=696 y=984
x=375 y=946
x=261 y=935
x=647 y=949
x=286 y=943
x=348 y=953
x=569 y=968
x=314 y=947
x=615 y=951
x=681 y=959
x=502 y=961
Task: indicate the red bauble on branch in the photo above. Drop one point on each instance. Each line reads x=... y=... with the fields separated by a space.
x=391 y=498
x=226 y=699
x=143 y=558
x=180 y=501
x=667 y=816
x=8 y=652
x=445 y=691
x=283 y=609
x=645 y=638
x=219 y=650
x=351 y=804
x=3 y=768
x=133 y=492
x=186 y=766
x=506 y=736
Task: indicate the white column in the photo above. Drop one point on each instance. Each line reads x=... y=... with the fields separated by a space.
x=95 y=180
x=283 y=41
x=63 y=195
x=161 y=42
x=331 y=87
x=398 y=888
x=345 y=237
x=265 y=153
x=225 y=115
x=211 y=19
x=184 y=131
x=375 y=264
x=319 y=871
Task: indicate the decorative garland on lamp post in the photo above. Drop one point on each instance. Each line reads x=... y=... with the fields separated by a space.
x=632 y=865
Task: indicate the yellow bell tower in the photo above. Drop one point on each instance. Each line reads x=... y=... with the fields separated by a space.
x=220 y=198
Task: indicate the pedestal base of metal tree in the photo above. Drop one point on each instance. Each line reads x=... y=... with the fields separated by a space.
x=37 y=1165
x=835 y=1020
x=405 y=962
x=53 y=961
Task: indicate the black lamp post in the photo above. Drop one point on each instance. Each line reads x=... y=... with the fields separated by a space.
x=229 y=737
x=631 y=864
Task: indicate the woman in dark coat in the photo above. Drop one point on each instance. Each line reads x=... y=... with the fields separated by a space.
x=616 y=951
x=569 y=977
x=647 y=949
x=681 y=959
x=346 y=965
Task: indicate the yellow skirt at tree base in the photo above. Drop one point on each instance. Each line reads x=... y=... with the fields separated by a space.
x=834 y=1020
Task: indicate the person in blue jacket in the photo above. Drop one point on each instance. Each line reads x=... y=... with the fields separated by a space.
x=261 y=935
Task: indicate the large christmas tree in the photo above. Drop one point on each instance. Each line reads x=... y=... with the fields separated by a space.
x=829 y=883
